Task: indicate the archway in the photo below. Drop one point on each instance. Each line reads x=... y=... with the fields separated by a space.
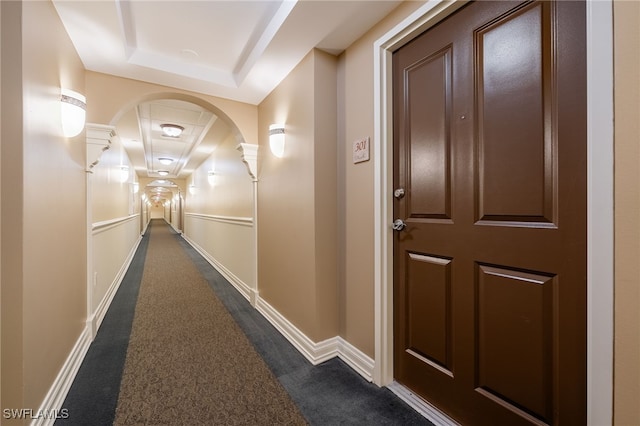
x=183 y=196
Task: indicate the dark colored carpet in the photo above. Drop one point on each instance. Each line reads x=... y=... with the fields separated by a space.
x=327 y=394
x=93 y=395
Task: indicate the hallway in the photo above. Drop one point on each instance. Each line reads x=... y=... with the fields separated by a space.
x=330 y=393
x=297 y=242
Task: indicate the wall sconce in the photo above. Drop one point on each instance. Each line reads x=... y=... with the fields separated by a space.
x=124 y=174
x=276 y=139
x=73 y=111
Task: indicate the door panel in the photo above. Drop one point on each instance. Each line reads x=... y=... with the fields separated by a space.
x=490 y=271
x=429 y=304
x=515 y=338
x=428 y=94
x=516 y=153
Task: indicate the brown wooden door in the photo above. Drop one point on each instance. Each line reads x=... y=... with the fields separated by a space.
x=490 y=270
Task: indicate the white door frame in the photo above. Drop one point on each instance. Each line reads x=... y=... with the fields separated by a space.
x=599 y=199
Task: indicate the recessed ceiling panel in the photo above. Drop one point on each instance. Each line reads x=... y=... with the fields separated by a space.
x=232 y=49
x=219 y=36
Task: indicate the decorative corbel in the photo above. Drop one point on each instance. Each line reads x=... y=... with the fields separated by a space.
x=98 y=141
x=250 y=158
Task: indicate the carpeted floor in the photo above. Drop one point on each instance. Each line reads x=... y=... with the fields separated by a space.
x=168 y=368
x=188 y=362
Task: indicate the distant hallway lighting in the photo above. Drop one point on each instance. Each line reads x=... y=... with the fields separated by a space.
x=276 y=139
x=165 y=160
x=163 y=172
x=171 y=130
x=73 y=112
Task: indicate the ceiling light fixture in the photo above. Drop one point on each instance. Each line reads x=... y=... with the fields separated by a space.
x=171 y=130
x=165 y=160
x=163 y=172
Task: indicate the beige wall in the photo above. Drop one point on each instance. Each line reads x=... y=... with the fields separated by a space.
x=110 y=97
x=219 y=213
x=627 y=213
x=48 y=295
x=11 y=385
x=297 y=233
x=1 y=126
x=230 y=192
x=356 y=90
x=112 y=187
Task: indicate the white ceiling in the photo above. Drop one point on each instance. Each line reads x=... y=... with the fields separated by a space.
x=239 y=50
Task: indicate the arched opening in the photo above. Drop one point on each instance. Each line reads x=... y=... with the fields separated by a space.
x=165 y=163
x=167 y=177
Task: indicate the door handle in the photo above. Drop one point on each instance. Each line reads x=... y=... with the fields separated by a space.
x=398 y=193
x=398 y=225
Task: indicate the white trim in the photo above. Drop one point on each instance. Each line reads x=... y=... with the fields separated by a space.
x=428 y=411
x=249 y=155
x=317 y=353
x=356 y=359
x=250 y=294
x=599 y=208
x=600 y=203
x=234 y=220
x=94 y=321
x=60 y=388
x=99 y=227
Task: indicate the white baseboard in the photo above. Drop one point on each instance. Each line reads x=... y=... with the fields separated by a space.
x=356 y=359
x=54 y=399
x=177 y=231
x=58 y=392
x=249 y=293
x=319 y=352
x=314 y=352
x=95 y=319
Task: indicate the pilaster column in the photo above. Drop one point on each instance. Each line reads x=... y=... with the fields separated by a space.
x=98 y=141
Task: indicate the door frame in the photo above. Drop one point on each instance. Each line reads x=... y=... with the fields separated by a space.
x=599 y=196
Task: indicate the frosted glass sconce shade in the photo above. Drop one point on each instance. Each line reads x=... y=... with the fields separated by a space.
x=73 y=110
x=124 y=174
x=276 y=139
